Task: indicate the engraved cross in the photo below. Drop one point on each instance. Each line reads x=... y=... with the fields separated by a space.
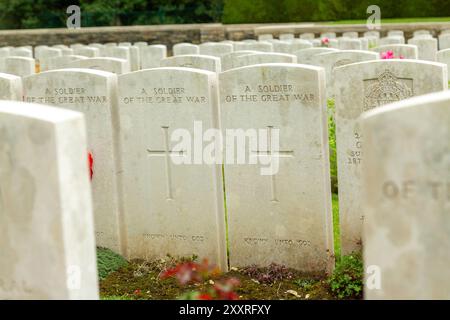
x=166 y=153
x=272 y=154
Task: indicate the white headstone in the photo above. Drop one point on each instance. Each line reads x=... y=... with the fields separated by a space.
x=350 y=44
x=264 y=37
x=135 y=58
x=332 y=60
x=369 y=34
x=60 y=62
x=400 y=51
x=10 y=87
x=114 y=65
x=395 y=33
x=257 y=46
x=304 y=56
x=350 y=34
x=19 y=66
x=90 y=52
x=307 y=36
x=21 y=52
x=421 y=33
x=407 y=198
x=215 y=49
x=5 y=52
x=121 y=53
x=286 y=36
x=171 y=206
x=228 y=60
x=329 y=35
x=443 y=56
x=444 y=41
x=46 y=228
x=427 y=48
x=259 y=58
x=152 y=55
x=203 y=62
x=392 y=40
x=361 y=87
x=185 y=48
x=279 y=200
x=94 y=93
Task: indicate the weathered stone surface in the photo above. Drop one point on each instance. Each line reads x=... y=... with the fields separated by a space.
x=407 y=198
x=46 y=228
x=278 y=212
x=361 y=87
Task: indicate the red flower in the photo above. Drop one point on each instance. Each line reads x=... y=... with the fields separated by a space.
x=137 y=291
x=204 y=296
x=91 y=164
x=191 y=272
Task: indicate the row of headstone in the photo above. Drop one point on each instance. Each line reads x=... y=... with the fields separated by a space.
x=130 y=119
x=144 y=206
x=124 y=58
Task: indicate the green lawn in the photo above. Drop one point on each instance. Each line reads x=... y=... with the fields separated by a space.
x=391 y=20
x=336 y=231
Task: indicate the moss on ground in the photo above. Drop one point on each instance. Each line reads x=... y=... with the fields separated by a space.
x=139 y=280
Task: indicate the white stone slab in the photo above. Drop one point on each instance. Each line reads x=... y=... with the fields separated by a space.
x=427 y=48
x=46 y=227
x=94 y=93
x=10 y=87
x=171 y=207
x=332 y=60
x=19 y=66
x=152 y=55
x=401 y=51
x=361 y=87
x=259 y=58
x=203 y=62
x=285 y=217
x=407 y=198
x=304 y=56
x=114 y=65
x=185 y=48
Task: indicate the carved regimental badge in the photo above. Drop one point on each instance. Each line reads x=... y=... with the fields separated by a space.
x=385 y=89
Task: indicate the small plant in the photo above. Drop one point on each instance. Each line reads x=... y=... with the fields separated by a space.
x=108 y=261
x=191 y=272
x=347 y=279
x=305 y=284
x=273 y=273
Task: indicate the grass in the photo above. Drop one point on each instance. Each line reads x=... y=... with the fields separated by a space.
x=391 y=20
x=336 y=229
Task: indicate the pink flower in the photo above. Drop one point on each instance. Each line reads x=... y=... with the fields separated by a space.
x=325 y=40
x=387 y=55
